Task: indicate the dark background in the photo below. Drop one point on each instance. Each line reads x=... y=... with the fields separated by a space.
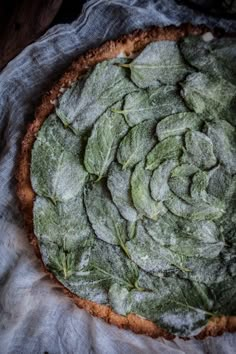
x=23 y=21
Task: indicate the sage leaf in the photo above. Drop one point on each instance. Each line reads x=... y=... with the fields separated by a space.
x=119 y=298
x=53 y=130
x=181 y=179
x=193 y=303
x=216 y=57
x=199 y=211
x=106 y=84
x=159 y=181
x=180 y=306
x=55 y=173
x=65 y=224
x=136 y=144
x=206 y=270
x=225 y=294
x=199 y=185
x=219 y=183
x=152 y=256
x=103 y=141
x=199 y=150
x=104 y=216
x=216 y=98
x=152 y=103
x=141 y=196
x=105 y=265
x=185 y=237
x=159 y=62
x=118 y=183
x=69 y=101
x=223 y=137
x=170 y=148
x=178 y=124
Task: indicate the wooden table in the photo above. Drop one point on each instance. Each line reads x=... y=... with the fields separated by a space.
x=23 y=21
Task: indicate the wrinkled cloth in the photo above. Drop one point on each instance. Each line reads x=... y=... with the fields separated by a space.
x=35 y=316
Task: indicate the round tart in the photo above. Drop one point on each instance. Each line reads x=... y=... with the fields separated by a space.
x=127 y=181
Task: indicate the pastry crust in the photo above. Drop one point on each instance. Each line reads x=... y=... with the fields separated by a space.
x=128 y=45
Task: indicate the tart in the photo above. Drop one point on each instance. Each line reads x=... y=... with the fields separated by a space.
x=127 y=182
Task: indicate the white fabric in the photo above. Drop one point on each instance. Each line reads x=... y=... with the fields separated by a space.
x=35 y=317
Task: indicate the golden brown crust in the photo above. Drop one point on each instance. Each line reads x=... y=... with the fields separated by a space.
x=127 y=44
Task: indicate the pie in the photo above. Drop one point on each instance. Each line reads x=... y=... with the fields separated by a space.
x=127 y=182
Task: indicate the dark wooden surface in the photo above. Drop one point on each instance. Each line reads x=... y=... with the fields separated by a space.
x=23 y=21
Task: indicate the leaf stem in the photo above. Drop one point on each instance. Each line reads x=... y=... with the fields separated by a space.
x=125 y=65
x=194 y=308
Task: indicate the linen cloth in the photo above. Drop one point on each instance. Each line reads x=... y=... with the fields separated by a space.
x=35 y=316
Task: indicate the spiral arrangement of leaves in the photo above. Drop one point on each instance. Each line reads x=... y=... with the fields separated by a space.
x=135 y=177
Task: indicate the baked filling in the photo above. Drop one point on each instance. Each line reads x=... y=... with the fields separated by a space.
x=134 y=175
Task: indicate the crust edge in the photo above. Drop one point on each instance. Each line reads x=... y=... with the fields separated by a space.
x=127 y=44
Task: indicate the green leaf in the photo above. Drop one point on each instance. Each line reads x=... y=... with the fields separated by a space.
x=220 y=182
x=170 y=148
x=118 y=183
x=223 y=137
x=63 y=263
x=181 y=179
x=136 y=144
x=65 y=224
x=187 y=309
x=217 y=57
x=105 y=265
x=206 y=270
x=214 y=97
x=102 y=144
x=151 y=255
x=68 y=103
x=199 y=185
x=104 y=216
x=178 y=124
x=225 y=295
x=55 y=173
x=159 y=62
x=199 y=211
x=199 y=150
x=152 y=103
x=119 y=299
x=81 y=105
x=141 y=196
x=159 y=181
x=180 y=306
x=53 y=130
x=185 y=237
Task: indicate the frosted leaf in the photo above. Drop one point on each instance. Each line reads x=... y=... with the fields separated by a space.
x=214 y=97
x=153 y=103
x=118 y=183
x=199 y=150
x=104 y=216
x=136 y=144
x=159 y=181
x=102 y=144
x=178 y=124
x=55 y=172
x=65 y=224
x=159 y=62
x=83 y=104
x=223 y=137
x=141 y=195
x=217 y=57
x=170 y=148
